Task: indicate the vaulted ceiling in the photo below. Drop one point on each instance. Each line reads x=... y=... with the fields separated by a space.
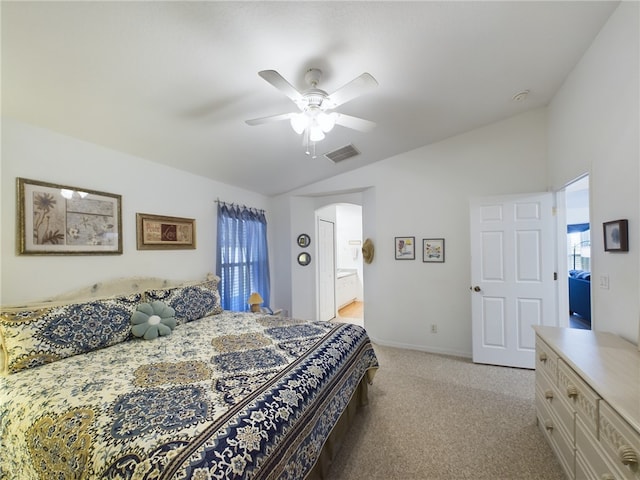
x=174 y=82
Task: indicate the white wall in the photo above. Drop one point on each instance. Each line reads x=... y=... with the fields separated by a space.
x=425 y=193
x=594 y=128
x=295 y=285
x=147 y=187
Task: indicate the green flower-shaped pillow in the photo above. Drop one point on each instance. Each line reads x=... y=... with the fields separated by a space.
x=153 y=319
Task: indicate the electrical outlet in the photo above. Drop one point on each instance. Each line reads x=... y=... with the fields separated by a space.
x=434 y=328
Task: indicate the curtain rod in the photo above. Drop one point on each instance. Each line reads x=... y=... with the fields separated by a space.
x=239 y=206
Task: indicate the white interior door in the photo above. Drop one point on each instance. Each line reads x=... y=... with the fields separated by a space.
x=512 y=271
x=326 y=270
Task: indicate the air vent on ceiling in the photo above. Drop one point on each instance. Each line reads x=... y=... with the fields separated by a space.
x=342 y=153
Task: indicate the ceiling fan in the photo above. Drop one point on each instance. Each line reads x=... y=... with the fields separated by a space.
x=316 y=117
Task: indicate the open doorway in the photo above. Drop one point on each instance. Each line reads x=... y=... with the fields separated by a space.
x=341 y=296
x=349 y=286
x=579 y=253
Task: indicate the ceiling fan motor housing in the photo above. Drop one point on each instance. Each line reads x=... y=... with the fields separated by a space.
x=313 y=76
x=314 y=97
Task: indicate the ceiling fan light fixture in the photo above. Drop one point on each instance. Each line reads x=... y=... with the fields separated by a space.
x=326 y=121
x=299 y=122
x=315 y=133
x=313 y=121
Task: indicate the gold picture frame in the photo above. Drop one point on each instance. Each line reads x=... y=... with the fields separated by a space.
x=58 y=219
x=159 y=232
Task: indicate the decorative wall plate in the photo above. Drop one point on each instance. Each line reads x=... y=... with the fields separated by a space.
x=304 y=259
x=304 y=240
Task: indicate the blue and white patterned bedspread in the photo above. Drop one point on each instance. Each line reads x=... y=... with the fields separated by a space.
x=234 y=395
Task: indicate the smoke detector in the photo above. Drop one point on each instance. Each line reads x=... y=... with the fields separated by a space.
x=520 y=96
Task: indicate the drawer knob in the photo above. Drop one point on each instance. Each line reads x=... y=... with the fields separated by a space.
x=572 y=391
x=627 y=455
x=548 y=424
x=607 y=476
x=543 y=357
x=548 y=394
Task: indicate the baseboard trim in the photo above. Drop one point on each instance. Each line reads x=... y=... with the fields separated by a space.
x=422 y=348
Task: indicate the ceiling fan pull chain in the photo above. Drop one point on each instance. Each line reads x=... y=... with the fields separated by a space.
x=305 y=141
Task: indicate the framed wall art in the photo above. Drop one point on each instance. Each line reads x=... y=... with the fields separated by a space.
x=616 y=236
x=158 y=232
x=433 y=250
x=405 y=248
x=63 y=220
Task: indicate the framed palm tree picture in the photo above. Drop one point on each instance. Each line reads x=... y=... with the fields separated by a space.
x=58 y=219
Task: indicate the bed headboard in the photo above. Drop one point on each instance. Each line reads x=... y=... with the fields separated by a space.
x=113 y=287
x=110 y=288
x=101 y=290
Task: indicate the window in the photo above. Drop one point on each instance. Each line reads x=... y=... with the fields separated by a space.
x=242 y=259
x=579 y=247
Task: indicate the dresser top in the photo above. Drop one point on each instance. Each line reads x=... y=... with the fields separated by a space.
x=609 y=364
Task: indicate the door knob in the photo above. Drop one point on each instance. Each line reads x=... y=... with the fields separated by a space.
x=476 y=288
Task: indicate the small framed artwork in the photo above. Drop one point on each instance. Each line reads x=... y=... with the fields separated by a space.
x=616 y=236
x=157 y=232
x=405 y=248
x=433 y=250
x=63 y=220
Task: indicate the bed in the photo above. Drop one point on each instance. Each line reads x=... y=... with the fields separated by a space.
x=224 y=395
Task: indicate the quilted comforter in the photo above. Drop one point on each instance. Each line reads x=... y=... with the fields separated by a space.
x=234 y=395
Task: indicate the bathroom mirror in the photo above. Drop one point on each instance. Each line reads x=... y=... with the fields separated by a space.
x=304 y=259
x=304 y=240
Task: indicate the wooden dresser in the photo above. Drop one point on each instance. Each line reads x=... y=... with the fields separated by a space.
x=588 y=402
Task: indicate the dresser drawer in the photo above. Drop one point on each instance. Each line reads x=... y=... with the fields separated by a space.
x=556 y=434
x=620 y=442
x=546 y=360
x=585 y=470
x=591 y=462
x=580 y=396
x=552 y=398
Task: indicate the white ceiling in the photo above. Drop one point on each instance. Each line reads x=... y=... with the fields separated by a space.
x=173 y=82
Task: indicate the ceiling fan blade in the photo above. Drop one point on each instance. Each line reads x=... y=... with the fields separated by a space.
x=278 y=81
x=269 y=119
x=355 y=123
x=356 y=87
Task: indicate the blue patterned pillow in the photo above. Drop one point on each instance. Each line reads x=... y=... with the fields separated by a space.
x=33 y=336
x=190 y=302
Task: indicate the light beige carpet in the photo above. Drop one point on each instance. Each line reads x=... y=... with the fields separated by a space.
x=433 y=417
